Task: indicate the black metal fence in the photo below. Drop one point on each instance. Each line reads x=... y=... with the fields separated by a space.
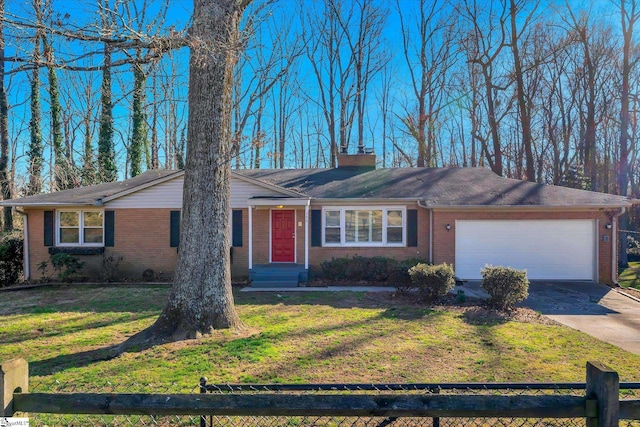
x=517 y=393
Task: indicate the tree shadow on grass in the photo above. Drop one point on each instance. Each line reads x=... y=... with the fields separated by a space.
x=57 y=328
x=81 y=359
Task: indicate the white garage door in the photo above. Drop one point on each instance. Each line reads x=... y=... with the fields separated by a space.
x=556 y=249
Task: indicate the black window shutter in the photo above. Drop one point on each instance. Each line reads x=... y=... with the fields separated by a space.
x=236 y=232
x=412 y=227
x=109 y=228
x=174 y=232
x=48 y=228
x=316 y=227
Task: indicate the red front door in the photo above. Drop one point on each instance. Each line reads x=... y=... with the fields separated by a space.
x=283 y=236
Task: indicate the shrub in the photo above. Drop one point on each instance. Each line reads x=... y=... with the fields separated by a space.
x=149 y=275
x=66 y=266
x=506 y=286
x=370 y=269
x=432 y=281
x=110 y=266
x=374 y=269
x=336 y=269
x=399 y=275
x=633 y=247
x=11 y=260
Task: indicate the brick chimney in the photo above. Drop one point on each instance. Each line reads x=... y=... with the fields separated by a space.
x=361 y=161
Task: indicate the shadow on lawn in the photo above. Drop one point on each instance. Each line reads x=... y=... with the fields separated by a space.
x=81 y=359
x=75 y=360
x=57 y=328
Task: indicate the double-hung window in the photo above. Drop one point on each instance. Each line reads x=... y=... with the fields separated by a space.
x=384 y=226
x=80 y=228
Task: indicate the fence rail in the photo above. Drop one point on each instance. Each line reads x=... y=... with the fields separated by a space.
x=595 y=402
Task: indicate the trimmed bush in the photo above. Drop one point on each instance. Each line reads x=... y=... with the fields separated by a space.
x=11 y=261
x=399 y=275
x=370 y=269
x=336 y=269
x=432 y=281
x=506 y=286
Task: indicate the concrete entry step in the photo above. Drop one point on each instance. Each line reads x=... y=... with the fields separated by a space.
x=277 y=275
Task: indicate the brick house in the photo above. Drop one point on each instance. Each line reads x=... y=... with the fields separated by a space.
x=297 y=218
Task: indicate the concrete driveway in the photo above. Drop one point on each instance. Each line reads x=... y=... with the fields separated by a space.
x=594 y=309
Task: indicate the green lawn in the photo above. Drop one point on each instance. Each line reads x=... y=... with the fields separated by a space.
x=630 y=277
x=294 y=337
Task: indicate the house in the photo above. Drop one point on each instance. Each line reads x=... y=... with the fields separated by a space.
x=297 y=218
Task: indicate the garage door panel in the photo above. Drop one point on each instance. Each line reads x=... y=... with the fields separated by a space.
x=558 y=249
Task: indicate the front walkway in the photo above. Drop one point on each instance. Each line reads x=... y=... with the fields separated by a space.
x=323 y=289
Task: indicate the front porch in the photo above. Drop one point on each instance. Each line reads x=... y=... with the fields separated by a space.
x=279 y=241
x=280 y=275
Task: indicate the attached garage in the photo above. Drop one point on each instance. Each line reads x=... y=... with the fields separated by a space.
x=547 y=249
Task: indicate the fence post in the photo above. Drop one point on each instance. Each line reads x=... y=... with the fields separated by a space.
x=435 y=422
x=603 y=384
x=14 y=377
x=203 y=389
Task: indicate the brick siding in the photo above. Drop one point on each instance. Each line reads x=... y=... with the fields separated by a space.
x=142 y=239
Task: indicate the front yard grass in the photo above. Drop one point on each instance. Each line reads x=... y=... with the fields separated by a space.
x=630 y=277
x=321 y=337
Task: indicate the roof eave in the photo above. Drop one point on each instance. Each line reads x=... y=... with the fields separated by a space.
x=525 y=207
x=48 y=204
x=364 y=200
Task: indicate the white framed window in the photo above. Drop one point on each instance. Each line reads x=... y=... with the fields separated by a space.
x=79 y=228
x=364 y=226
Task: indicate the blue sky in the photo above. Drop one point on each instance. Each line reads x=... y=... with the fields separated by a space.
x=81 y=13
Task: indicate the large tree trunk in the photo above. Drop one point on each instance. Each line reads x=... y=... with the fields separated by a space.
x=201 y=299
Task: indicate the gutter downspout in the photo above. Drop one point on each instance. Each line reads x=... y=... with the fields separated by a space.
x=306 y=237
x=424 y=206
x=614 y=246
x=25 y=247
x=250 y=220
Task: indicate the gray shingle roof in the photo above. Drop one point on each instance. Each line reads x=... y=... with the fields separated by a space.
x=444 y=187
x=92 y=194
x=438 y=187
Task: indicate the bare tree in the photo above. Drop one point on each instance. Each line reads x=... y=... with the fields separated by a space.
x=344 y=49
x=483 y=42
x=629 y=15
x=259 y=71
x=429 y=51
x=519 y=24
x=595 y=42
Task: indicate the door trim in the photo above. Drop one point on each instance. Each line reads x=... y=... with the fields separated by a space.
x=295 y=240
